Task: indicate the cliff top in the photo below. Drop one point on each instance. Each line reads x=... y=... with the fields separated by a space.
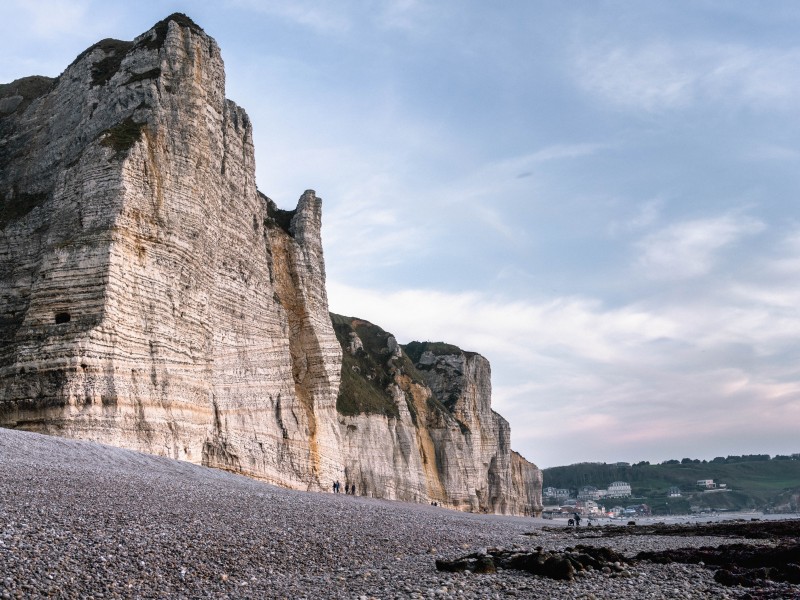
x=18 y=94
x=160 y=30
x=415 y=350
x=21 y=92
x=372 y=359
x=368 y=366
x=117 y=49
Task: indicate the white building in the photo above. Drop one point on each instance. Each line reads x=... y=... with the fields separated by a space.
x=707 y=484
x=619 y=489
x=590 y=507
x=588 y=492
x=557 y=493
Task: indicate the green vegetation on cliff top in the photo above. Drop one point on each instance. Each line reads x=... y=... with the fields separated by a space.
x=162 y=27
x=28 y=88
x=368 y=374
x=415 y=350
x=279 y=218
x=365 y=375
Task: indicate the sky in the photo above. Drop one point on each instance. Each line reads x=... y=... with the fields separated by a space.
x=601 y=198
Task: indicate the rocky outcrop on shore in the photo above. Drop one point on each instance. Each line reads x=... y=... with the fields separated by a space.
x=152 y=298
x=553 y=564
x=772 y=568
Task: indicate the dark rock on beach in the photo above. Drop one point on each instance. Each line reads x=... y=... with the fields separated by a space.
x=560 y=565
x=739 y=564
x=754 y=529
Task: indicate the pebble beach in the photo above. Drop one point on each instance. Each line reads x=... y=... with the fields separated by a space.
x=83 y=520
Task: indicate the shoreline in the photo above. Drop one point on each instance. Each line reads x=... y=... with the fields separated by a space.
x=688 y=519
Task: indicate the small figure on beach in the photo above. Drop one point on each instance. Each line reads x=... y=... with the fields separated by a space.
x=353 y=489
x=577 y=518
x=336 y=486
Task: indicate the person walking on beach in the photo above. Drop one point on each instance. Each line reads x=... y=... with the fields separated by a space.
x=577 y=519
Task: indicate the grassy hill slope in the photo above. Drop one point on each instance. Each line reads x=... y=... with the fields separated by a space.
x=753 y=483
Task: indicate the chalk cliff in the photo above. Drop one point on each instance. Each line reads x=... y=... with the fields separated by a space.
x=422 y=413
x=152 y=298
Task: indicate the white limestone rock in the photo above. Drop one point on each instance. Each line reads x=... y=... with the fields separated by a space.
x=152 y=298
x=428 y=429
x=197 y=328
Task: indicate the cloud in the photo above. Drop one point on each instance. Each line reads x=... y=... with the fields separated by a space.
x=345 y=16
x=659 y=75
x=573 y=374
x=785 y=264
x=368 y=227
x=52 y=18
x=320 y=17
x=562 y=151
x=411 y=16
x=508 y=177
x=379 y=214
x=651 y=77
x=690 y=248
x=646 y=214
x=42 y=37
x=522 y=332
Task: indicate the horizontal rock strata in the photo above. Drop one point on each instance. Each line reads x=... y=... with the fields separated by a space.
x=152 y=298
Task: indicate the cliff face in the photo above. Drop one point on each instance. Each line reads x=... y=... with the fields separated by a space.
x=433 y=402
x=152 y=298
x=500 y=480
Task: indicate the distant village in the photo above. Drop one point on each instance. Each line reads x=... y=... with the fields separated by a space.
x=673 y=487
x=589 y=501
